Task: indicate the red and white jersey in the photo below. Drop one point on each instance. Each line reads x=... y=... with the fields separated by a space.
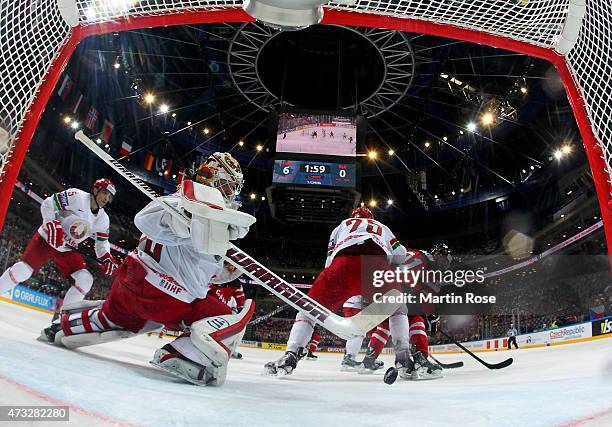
x=72 y=208
x=170 y=254
x=232 y=296
x=355 y=231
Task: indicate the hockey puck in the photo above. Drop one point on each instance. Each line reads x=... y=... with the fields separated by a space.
x=390 y=376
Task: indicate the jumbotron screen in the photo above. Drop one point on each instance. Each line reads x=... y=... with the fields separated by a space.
x=324 y=134
x=299 y=172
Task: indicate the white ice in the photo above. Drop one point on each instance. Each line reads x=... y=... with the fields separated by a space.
x=113 y=384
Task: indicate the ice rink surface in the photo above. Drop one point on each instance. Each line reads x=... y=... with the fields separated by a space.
x=301 y=141
x=113 y=384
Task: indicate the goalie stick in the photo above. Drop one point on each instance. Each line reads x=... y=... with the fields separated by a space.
x=499 y=365
x=346 y=328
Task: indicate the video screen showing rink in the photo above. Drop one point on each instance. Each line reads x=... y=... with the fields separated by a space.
x=114 y=384
x=317 y=134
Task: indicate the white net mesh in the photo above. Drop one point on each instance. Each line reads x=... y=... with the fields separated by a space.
x=32 y=33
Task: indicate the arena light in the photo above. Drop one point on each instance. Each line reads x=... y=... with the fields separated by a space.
x=453 y=192
x=259 y=147
x=558 y=154
x=164 y=108
x=67 y=119
x=373 y=155
x=173 y=114
x=566 y=149
x=74 y=125
x=206 y=131
x=99 y=141
x=524 y=90
x=471 y=126
x=188 y=123
x=445 y=139
x=391 y=152
x=149 y=98
x=487 y=119
x=252 y=196
x=241 y=143
x=427 y=144
x=460 y=132
x=372 y=203
x=116 y=65
x=263 y=198
x=390 y=202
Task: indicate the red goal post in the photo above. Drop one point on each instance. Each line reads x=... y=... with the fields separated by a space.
x=37 y=38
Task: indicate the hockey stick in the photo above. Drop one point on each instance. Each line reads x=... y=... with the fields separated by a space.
x=268 y=315
x=499 y=365
x=345 y=328
x=454 y=365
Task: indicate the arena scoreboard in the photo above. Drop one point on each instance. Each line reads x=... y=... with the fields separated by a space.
x=314 y=173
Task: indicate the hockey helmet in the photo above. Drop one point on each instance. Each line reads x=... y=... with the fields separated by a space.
x=442 y=253
x=104 y=184
x=221 y=171
x=362 y=212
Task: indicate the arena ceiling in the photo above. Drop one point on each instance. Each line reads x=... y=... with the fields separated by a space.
x=424 y=97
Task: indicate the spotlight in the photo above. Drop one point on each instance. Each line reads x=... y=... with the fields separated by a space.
x=263 y=198
x=252 y=196
x=523 y=90
x=471 y=126
x=566 y=149
x=206 y=131
x=116 y=65
x=445 y=139
x=188 y=123
x=389 y=202
x=427 y=144
x=164 y=108
x=372 y=154
x=436 y=197
x=460 y=132
x=487 y=119
x=372 y=203
x=259 y=147
x=558 y=154
x=173 y=114
x=74 y=125
x=67 y=119
x=99 y=141
x=453 y=192
x=391 y=152
x=241 y=143
x=532 y=167
x=149 y=98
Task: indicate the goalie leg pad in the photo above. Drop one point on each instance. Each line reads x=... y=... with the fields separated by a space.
x=217 y=337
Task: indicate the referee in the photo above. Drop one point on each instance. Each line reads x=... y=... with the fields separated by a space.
x=512 y=333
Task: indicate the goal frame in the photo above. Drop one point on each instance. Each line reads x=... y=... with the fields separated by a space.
x=331 y=17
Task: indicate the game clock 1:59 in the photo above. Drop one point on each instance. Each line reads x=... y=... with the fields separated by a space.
x=314 y=168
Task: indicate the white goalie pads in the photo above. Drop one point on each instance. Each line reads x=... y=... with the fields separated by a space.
x=207 y=207
x=217 y=337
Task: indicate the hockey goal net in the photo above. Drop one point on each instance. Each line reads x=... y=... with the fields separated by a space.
x=37 y=38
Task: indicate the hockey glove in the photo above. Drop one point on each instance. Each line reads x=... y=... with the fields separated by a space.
x=55 y=234
x=108 y=264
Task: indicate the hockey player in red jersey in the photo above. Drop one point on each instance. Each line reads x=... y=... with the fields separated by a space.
x=357 y=242
x=313 y=345
x=166 y=280
x=69 y=217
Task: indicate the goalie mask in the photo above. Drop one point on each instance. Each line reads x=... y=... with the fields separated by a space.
x=221 y=171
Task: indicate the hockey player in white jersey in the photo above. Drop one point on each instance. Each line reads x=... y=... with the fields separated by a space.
x=69 y=217
x=357 y=245
x=166 y=280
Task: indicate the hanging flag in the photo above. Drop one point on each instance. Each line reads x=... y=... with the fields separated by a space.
x=65 y=88
x=107 y=130
x=92 y=118
x=78 y=104
x=125 y=149
x=148 y=164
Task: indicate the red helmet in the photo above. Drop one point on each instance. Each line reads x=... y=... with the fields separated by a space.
x=362 y=212
x=104 y=184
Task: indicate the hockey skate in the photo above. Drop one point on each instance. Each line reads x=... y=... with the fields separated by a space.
x=424 y=369
x=370 y=365
x=236 y=355
x=173 y=362
x=50 y=333
x=283 y=366
x=349 y=364
x=311 y=356
x=404 y=364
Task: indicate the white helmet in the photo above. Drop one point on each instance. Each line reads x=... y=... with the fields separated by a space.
x=221 y=171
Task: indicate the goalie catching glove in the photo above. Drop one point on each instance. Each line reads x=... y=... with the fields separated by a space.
x=108 y=264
